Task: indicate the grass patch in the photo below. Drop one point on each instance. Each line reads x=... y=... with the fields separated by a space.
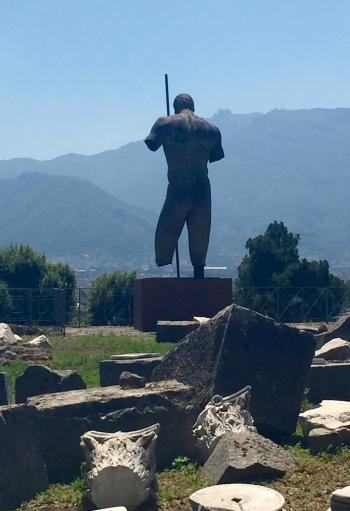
x=59 y=497
x=83 y=353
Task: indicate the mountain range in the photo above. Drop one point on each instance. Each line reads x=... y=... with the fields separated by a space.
x=285 y=165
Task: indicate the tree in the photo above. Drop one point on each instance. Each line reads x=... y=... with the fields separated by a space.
x=61 y=276
x=110 y=298
x=21 y=266
x=24 y=268
x=273 y=279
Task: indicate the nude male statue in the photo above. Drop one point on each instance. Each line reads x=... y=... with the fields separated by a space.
x=189 y=142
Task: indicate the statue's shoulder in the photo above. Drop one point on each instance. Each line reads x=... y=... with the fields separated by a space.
x=211 y=128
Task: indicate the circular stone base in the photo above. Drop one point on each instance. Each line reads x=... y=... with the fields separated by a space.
x=237 y=497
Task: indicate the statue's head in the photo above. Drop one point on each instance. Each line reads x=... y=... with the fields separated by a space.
x=182 y=102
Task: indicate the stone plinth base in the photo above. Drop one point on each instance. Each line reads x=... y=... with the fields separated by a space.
x=171 y=299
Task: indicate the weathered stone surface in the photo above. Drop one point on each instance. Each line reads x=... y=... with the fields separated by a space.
x=131 y=381
x=340 y=329
x=40 y=342
x=221 y=415
x=63 y=418
x=240 y=347
x=340 y=499
x=321 y=439
x=134 y=356
x=242 y=457
x=39 y=379
x=118 y=508
x=336 y=349
x=5 y=393
x=23 y=471
x=331 y=415
x=13 y=348
x=328 y=381
x=237 y=497
x=120 y=467
x=174 y=331
x=110 y=370
x=7 y=337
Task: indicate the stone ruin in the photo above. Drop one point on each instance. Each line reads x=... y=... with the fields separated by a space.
x=12 y=347
x=221 y=357
x=120 y=467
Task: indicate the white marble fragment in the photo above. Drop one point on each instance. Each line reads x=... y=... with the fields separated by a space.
x=222 y=415
x=237 y=497
x=120 y=467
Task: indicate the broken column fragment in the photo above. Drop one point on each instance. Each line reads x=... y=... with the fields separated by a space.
x=120 y=467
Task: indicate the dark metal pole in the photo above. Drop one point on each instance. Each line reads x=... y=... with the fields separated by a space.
x=168 y=113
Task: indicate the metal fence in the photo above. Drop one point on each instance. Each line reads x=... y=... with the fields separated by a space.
x=103 y=307
x=59 y=307
x=292 y=304
x=26 y=306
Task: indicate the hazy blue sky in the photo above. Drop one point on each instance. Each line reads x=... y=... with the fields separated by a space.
x=87 y=75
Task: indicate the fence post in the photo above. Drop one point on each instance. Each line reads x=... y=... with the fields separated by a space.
x=79 y=307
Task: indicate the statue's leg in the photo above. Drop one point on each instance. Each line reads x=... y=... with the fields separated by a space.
x=198 y=225
x=170 y=224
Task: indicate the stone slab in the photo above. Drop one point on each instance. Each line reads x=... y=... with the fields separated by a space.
x=329 y=381
x=340 y=328
x=62 y=418
x=169 y=299
x=174 y=331
x=331 y=415
x=237 y=497
x=134 y=356
x=110 y=370
x=239 y=347
x=246 y=457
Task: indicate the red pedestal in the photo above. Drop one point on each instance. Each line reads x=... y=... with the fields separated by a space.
x=167 y=299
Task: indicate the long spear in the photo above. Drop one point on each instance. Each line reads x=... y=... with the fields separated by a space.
x=168 y=113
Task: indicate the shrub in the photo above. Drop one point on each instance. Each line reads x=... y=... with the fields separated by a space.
x=110 y=298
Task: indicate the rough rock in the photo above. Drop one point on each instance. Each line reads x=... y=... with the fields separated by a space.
x=5 y=393
x=120 y=467
x=131 y=381
x=222 y=415
x=174 y=331
x=13 y=348
x=340 y=499
x=321 y=439
x=40 y=342
x=118 y=508
x=240 y=347
x=340 y=329
x=63 y=418
x=331 y=415
x=242 y=457
x=336 y=349
x=7 y=337
x=237 y=497
x=23 y=471
x=39 y=379
x=328 y=381
x=110 y=370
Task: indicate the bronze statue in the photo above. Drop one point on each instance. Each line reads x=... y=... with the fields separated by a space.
x=189 y=142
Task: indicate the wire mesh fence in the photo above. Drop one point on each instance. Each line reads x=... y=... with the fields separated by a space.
x=27 y=306
x=295 y=304
x=84 y=307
